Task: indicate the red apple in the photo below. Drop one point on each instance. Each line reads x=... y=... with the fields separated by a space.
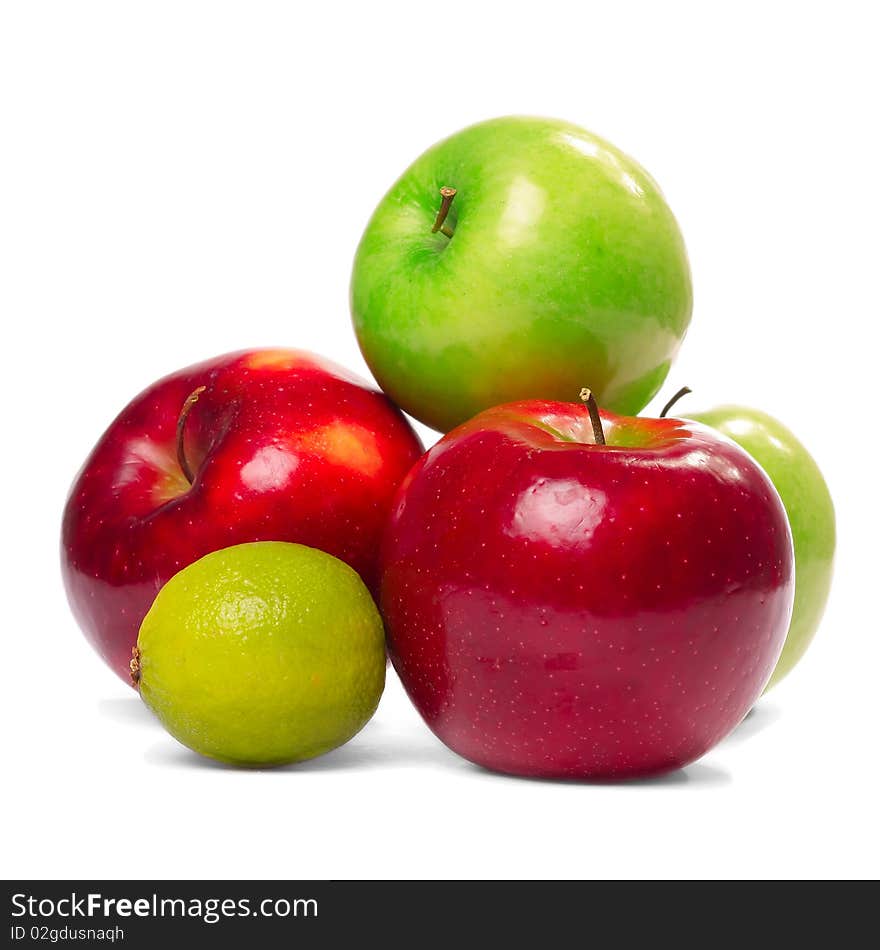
x=558 y=607
x=281 y=445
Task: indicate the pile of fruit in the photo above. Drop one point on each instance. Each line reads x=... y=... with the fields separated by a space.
x=566 y=588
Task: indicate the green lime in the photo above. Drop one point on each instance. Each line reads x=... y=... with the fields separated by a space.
x=262 y=654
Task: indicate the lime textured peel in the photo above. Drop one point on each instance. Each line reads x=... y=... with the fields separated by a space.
x=262 y=654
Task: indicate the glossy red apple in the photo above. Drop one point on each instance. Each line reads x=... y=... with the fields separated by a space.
x=557 y=607
x=281 y=445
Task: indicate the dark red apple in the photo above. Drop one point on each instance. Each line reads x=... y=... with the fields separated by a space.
x=558 y=607
x=280 y=445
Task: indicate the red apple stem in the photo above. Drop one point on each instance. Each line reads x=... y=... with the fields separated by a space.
x=135 y=666
x=682 y=392
x=190 y=401
x=589 y=400
x=446 y=195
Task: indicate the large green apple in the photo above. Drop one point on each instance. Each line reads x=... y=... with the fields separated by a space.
x=555 y=265
x=810 y=513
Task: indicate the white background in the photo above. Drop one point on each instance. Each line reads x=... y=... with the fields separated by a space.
x=180 y=179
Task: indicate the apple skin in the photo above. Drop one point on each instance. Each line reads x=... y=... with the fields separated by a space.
x=557 y=608
x=565 y=265
x=284 y=446
x=810 y=510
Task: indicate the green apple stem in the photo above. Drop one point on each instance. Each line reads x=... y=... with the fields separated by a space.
x=135 y=666
x=446 y=195
x=190 y=401
x=589 y=400
x=682 y=392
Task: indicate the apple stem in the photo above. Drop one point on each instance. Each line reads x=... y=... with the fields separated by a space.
x=191 y=400
x=589 y=400
x=682 y=392
x=135 y=666
x=446 y=195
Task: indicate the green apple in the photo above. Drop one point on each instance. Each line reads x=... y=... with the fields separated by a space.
x=810 y=510
x=520 y=258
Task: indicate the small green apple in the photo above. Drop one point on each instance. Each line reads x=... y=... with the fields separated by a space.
x=520 y=258
x=810 y=510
